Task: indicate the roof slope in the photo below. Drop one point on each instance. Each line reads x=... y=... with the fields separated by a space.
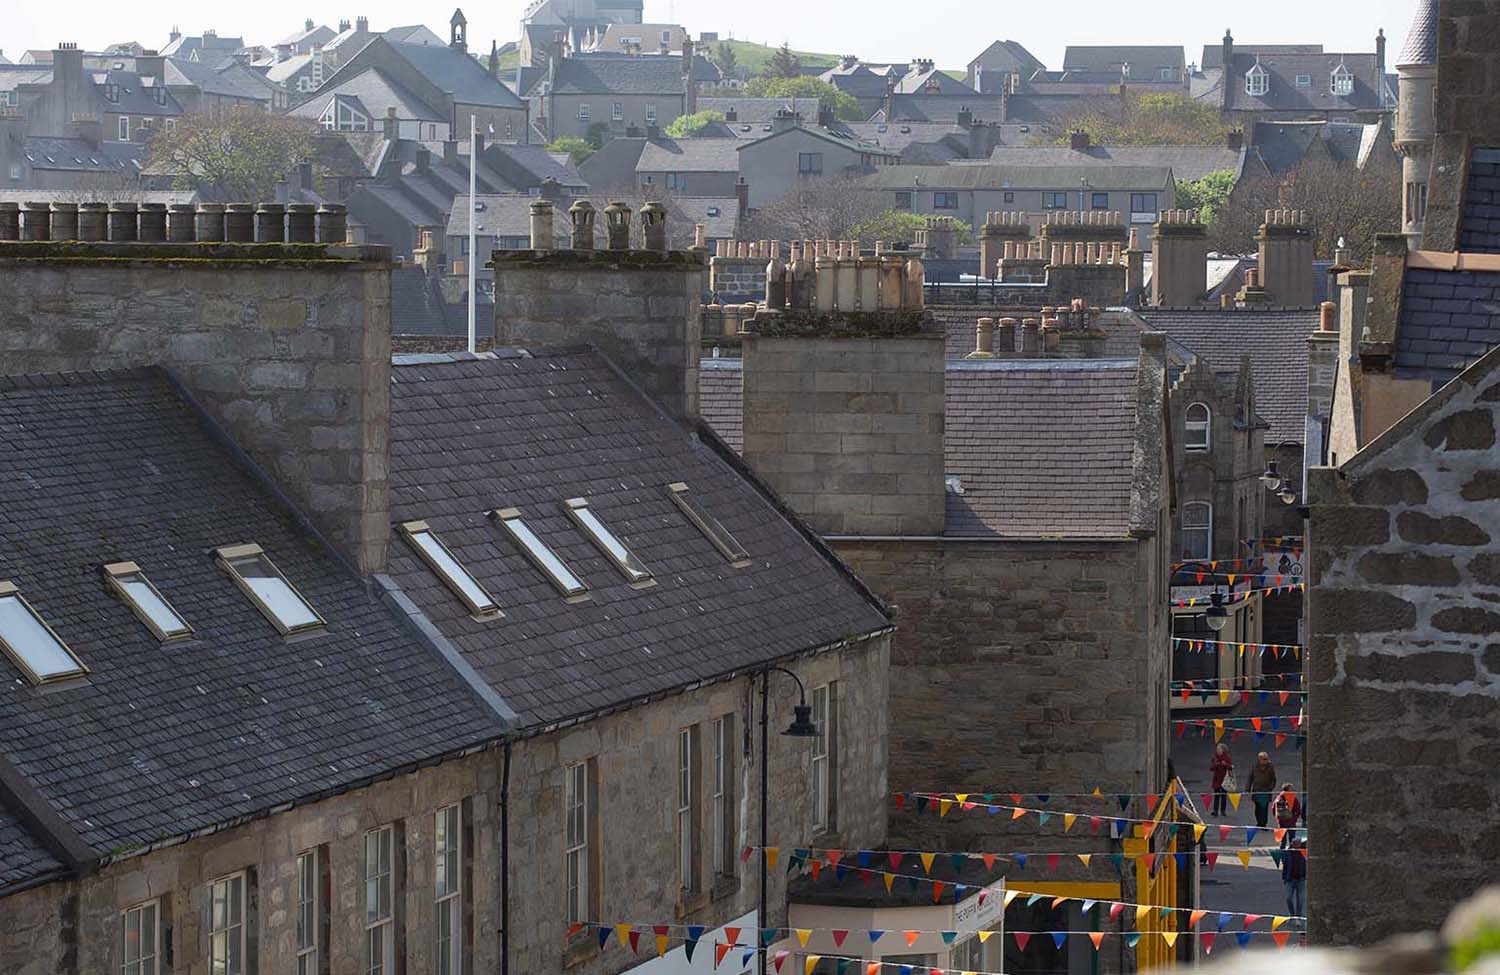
x=1186 y=162
x=161 y=740
x=1421 y=47
x=457 y=75
x=689 y=155
x=23 y=858
x=991 y=177
x=471 y=435
x=1275 y=341
x=1449 y=319
x=1481 y=219
x=615 y=74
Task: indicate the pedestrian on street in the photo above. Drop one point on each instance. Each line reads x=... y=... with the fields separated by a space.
x=1222 y=766
x=1289 y=811
x=1261 y=785
x=1294 y=877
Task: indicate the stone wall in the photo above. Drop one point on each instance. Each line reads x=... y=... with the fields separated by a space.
x=848 y=429
x=288 y=346
x=1468 y=111
x=72 y=928
x=642 y=310
x=742 y=278
x=1404 y=668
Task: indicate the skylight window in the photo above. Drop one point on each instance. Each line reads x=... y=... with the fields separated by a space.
x=129 y=583
x=708 y=525
x=30 y=642
x=278 y=599
x=540 y=555
x=630 y=567
x=441 y=561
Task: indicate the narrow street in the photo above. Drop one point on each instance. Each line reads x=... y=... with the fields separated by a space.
x=1230 y=886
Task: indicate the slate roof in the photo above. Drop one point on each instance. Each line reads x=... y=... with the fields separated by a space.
x=1015 y=54
x=136 y=95
x=80 y=155
x=161 y=740
x=614 y=74
x=470 y=435
x=1282 y=93
x=1186 y=162
x=945 y=108
x=231 y=80
x=1042 y=448
x=1449 y=319
x=759 y=111
x=1283 y=145
x=1480 y=233
x=917 y=80
x=457 y=75
x=1108 y=58
x=377 y=93
x=689 y=156
x=23 y=857
x=1421 y=47
x=1275 y=341
x=1213 y=54
x=1018 y=177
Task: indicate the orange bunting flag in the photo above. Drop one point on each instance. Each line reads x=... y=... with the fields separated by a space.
x=1059 y=902
x=812 y=963
x=1244 y=856
x=937 y=891
x=989 y=860
x=622 y=931
x=802 y=935
x=1279 y=740
x=1015 y=799
x=1255 y=723
x=911 y=937
x=573 y=929
x=1170 y=937
x=834 y=856
x=779 y=958
x=943 y=806
x=927 y=859
x=872 y=968
x=1068 y=820
x=1084 y=858
x=1150 y=862
x=1280 y=834
x=1195 y=917
x=1017 y=813
x=1097 y=937
x=1284 y=695
x=733 y=934
x=1280 y=937
x=817 y=868
x=1151 y=804
x=719 y=952
x=771 y=854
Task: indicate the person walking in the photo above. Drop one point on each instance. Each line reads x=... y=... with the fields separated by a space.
x=1294 y=877
x=1289 y=811
x=1261 y=784
x=1222 y=766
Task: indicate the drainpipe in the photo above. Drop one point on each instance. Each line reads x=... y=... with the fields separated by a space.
x=505 y=860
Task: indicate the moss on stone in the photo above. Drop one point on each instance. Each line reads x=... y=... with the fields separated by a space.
x=850 y=325
x=116 y=252
x=597 y=260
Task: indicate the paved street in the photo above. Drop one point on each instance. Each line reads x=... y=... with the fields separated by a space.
x=1230 y=886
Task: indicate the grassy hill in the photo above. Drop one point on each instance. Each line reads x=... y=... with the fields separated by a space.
x=752 y=58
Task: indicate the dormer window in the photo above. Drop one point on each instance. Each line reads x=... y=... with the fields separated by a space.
x=1257 y=81
x=111 y=92
x=1341 y=82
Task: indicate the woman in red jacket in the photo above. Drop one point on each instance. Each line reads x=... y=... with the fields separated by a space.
x=1221 y=766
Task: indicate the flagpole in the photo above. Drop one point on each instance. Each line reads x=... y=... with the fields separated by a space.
x=473 y=254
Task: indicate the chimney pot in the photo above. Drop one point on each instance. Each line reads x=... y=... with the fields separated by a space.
x=1329 y=317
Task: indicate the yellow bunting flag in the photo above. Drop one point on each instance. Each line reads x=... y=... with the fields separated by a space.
x=1141 y=913
x=1198 y=830
x=1244 y=856
x=802 y=935
x=1017 y=813
x=1278 y=921
x=1084 y=858
x=1234 y=800
x=943 y=806
x=1097 y=937
x=890 y=879
x=771 y=854
x=1068 y=820
x=927 y=859
x=1170 y=937
x=622 y=931
x=661 y=945
x=961 y=796
x=1097 y=793
x=1011 y=895
x=984 y=936
x=812 y=962
x=1223 y=698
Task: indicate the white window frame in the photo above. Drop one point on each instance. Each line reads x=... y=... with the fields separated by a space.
x=686 y=782
x=618 y=112
x=228 y=554
x=1206 y=530
x=722 y=798
x=822 y=701
x=1303 y=81
x=1197 y=434
x=1341 y=81
x=583 y=111
x=123 y=123
x=380 y=924
x=309 y=924
x=576 y=842
x=1257 y=81
x=147 y=960
x=650 y=114
x=447 y=890
x=221 y=935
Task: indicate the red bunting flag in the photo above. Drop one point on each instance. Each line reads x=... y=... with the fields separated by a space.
x=778 y=958
x=895 y=859
x=900 y=801
x=719 y=952
x=1251 y=919
x=1284 y=696
x=1115 y=911
x=937 y=891
x=989 y=864
x=1094 y=823
x=1015 y=800
x=1280 y=937
x=733 y=934
x=745 y=854
x=1022 y=938
x=838 y=938
x=1053 y=859
x=1150 y=862
x=573 y=929
x=1224 y=832
x=817 y=868
x=1208 y=942
x=635 y=942
x=834 y=856
x=1213 y=861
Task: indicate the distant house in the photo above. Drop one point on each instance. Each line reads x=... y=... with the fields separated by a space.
x=1282 y=146
x=610 y=93
x=1186 y=162
x=1253 y=83
x=750 y=118
x=1002 y=66
x=702 y=167
x=637 y=39
x=1126 y=64
x=968 y=193
x=208 y=46
x=305 y=41
x=795 y=155
x=576 y=20
x=66 y=99
x=219 y=84
x=924 y=78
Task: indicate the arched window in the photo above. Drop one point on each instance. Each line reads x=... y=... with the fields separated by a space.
x=1257 y=81
x=1341 y=82
x=1196 y=425
x=1197 y=530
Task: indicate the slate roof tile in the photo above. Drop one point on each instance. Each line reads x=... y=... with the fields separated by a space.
x=1449 y=319
x=472 y=435
x=1480 y=233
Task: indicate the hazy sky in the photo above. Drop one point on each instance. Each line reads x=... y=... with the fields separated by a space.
x=950 y=31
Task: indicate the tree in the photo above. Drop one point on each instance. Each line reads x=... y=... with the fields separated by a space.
x=237 y=156
x=686 y=126
x=725 y=59
x=900 y=226
x=1340 y=200
x=577 y=149
x=843 y=105
x=596 y=135
x=1150 y=119
x=1208 y=195
x=783 y=64
x=825 y=209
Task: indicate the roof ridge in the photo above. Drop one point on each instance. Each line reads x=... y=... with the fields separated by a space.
x=52 y=380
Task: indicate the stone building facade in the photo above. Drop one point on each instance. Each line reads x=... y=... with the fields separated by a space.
x=1403 y=668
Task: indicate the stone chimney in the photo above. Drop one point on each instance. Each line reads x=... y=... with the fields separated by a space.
x=890 y=100
x=1286 y=257
x=1322 y=366
x=1179 y=259
x=149 y=64
x=784 y=119
x=361 y=25
x=1380 y=55
x=1229 y=78
x=689 y=86
x=1078 y=141
x=390 y=125
x=67 y=63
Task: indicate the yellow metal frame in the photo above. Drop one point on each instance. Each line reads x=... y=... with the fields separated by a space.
x=1157 y=883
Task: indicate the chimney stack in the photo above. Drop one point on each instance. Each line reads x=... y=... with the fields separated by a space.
x=1286 y=257
x=1078 y=141
x=689 y=86
x=67 y=63
x=1179 y=259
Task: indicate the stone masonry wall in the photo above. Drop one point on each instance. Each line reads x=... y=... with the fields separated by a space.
x=849 y=431
x=642 y=310
x=1403 y=617
x=72 y=928
x=287 y=347
x=738 y=277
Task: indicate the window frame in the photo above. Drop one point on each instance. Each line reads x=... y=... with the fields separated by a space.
x=115 y=572
x=651 y=115
x=307 y=943
x=1341 y=81
x=411 y=529
x=709 y=526
x=1141 y=198
x=1055 y=200
x=689 y=822
x=385 y=923
x=722 y=797
x=617 y=112
x=1094 y=203
x=1207 y=530
x=1302 y=81
x=504 y=518
x=137 y=967
x=122 y=124
x=583 y=516
x=810 y=164
x=903 y=201
x=584 y=113
x=821 y=766
x=241 y=878
x=228 y=553
x=1257 y=81
x=9 y=590
x=580 y=800
x=448 y=858
x=1191 y=426
x=945 y=200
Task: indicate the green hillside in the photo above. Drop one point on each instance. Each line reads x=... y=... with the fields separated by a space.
x=751 y=58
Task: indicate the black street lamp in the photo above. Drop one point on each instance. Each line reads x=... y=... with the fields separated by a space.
x=1216 y=615
x=802 y=726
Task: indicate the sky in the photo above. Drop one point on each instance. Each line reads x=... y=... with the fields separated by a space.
x=950 y=32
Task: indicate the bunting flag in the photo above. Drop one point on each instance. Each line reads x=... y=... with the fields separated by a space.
x=720 y=950
x=812 y=963
x=1170 y=937
x=1238 y=597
